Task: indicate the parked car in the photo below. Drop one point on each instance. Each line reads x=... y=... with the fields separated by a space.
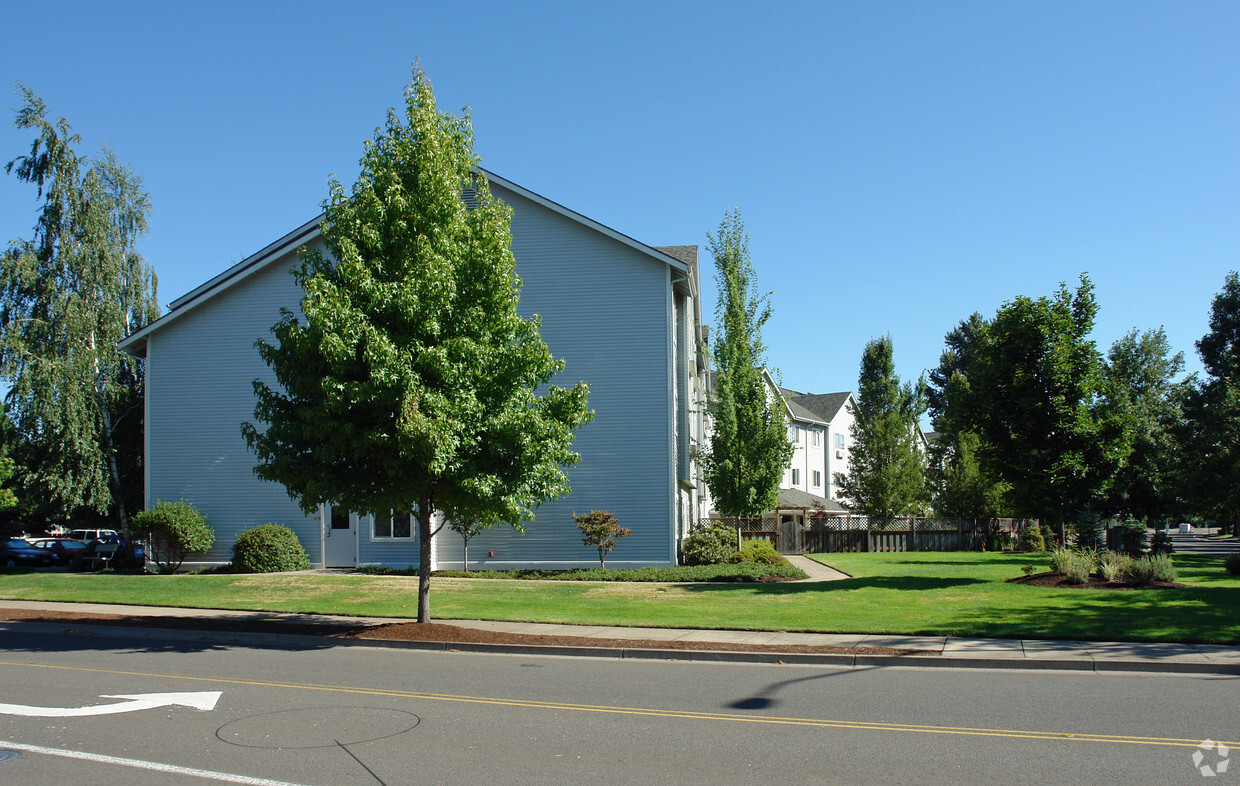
x=22 y=552
x=92 y=534
x=62 y=550
x=110 y=551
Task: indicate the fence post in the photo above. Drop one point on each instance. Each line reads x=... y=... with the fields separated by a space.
x=912 y=534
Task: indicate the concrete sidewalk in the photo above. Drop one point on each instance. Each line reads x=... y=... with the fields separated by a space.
x=939 y=651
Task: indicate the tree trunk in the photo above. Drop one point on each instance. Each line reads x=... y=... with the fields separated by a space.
x=425 y=512
x=105 y=421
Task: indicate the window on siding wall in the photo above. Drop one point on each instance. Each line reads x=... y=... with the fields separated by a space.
x=839 y=441
x=817 y=437
x=394 y=526
x=796 y=476
x=817 y=479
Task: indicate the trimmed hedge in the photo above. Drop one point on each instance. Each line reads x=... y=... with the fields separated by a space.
x=173 y=530
x=760 y=551
x=709 y=545
x=268 y=548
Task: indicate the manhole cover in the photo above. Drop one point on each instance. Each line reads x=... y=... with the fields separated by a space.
x=317 y=727
x=6 y=755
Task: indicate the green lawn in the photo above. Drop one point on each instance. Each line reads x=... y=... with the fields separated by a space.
x=951 y=593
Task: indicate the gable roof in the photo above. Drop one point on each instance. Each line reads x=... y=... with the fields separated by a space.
x=135 y=343
x=823 y=406
x=795 y=499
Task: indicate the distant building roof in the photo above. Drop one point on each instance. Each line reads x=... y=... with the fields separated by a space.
x=816 y=406
x=795 y=499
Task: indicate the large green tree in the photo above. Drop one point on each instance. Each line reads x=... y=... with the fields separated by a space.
x=886 y=467
x=749 y=446
x=69 y=295
x=1209 y=439
x=1031 y=389
x=413 y=382
x=1142 y=397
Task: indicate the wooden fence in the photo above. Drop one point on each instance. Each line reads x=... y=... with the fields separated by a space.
x=822 y=534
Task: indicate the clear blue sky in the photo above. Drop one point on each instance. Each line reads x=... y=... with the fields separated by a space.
x=899 y=165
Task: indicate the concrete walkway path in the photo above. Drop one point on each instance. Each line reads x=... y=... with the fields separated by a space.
x=935 y=651
x=816 y=570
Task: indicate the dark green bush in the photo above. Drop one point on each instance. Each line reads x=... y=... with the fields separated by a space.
x=1031 y=539
x=760 y=551
x=1232 y=563
x=741 y=571
x=709 y=545
x=268 y=548
x=172 y=530
x=1161 y=542
x=1088 y=531
x=1132 y=537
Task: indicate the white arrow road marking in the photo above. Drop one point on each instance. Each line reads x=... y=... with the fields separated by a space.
x=133 y=702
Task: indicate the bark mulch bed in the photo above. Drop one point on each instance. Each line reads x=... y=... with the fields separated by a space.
x=434 y=631
x=1051 y=579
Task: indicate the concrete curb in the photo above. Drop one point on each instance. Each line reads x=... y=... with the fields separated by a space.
x=306 y=641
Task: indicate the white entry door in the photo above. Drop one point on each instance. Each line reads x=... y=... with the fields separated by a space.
x=339 y=538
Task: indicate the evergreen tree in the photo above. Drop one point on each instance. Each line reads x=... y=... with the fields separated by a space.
x=749 y=445
x=411 y=385
x=886 y=470
x=70 y=294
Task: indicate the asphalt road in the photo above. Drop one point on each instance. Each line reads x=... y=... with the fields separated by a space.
x=364 y=716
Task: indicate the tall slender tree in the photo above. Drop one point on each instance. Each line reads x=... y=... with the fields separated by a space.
x=749 y=445
x=413 y=383
x=886 y=468
x=70 y=294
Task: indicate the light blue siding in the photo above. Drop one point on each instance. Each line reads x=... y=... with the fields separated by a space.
x=606 y=308
x=200 y=369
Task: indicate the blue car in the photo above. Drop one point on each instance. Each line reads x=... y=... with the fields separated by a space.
x=16 y=552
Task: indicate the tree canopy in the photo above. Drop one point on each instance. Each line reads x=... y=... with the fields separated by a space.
x=886 y=468
x=71 y=293
x=413 y=382
x=1209 y=438
x=749 y=445
x=1029 y=383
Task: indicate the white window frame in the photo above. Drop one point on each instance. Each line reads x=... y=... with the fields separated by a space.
x=817 y=479
x=839 y=441
x=796 y=476
x=817 y=437
x=391 y=528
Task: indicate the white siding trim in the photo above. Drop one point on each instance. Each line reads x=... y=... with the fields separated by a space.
x=146 y=433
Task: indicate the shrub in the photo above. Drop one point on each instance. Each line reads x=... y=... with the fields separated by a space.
x=1031 y=539
x=709 y=545
x=1232 y=563
x=1132 y=537
x=268 y=548
x=760 y=551
x=172 y=531
x=1144 y=571
x=1059 y=559
x=1111 y=566
x=600 y=530
x=1161 y=542
x=1088 y=531
x=1048 y=536
x=1078 y=569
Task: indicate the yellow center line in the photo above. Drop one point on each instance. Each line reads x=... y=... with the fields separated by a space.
x=907 y=728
